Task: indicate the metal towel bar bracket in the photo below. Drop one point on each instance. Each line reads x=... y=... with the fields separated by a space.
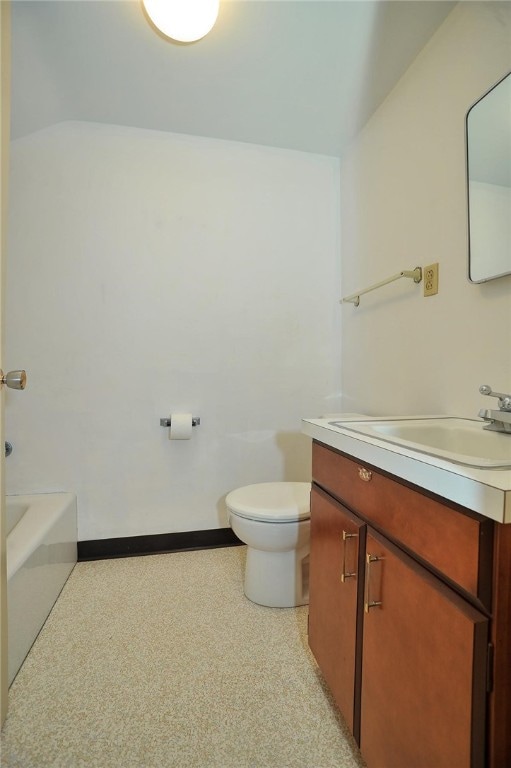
x=414 y=274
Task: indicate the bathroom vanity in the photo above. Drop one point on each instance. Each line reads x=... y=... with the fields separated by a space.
x=410 y=600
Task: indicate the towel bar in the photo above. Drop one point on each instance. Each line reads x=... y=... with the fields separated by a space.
x=415 y=274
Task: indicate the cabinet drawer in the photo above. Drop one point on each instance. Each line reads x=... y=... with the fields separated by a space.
x=458 y=544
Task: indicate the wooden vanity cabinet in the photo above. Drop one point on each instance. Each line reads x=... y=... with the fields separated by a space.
x=404 y=644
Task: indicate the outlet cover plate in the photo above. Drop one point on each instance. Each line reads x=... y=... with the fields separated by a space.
x=431 y=279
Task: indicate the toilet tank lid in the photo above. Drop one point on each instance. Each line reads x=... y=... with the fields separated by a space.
x=279 y=502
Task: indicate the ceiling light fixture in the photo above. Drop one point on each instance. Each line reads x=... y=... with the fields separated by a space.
x=183 y=20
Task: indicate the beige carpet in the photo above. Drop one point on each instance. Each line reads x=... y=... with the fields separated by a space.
x=161 y=662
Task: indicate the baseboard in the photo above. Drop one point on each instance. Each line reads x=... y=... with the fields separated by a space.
x=156 y=544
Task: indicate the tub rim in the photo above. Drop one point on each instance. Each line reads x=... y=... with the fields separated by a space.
x=43 y=511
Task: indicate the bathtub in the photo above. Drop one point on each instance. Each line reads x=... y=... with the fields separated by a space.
x=41 y=553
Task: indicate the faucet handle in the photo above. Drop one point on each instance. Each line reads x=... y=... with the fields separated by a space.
x=504 y=400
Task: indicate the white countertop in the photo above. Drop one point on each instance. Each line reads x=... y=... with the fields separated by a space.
x=486 y=491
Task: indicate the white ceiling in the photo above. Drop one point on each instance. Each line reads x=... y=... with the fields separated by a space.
x=302 y=75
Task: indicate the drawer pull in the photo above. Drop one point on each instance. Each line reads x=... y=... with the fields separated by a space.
x=368 y=603
x=364 y=474
x=345 y=575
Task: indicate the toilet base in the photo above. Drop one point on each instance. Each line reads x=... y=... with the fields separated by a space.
x=277 y=579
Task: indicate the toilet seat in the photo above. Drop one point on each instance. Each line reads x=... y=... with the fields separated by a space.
x=271 y=502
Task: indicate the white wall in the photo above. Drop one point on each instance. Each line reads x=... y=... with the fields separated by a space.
x=404 y=203
x=151 y=273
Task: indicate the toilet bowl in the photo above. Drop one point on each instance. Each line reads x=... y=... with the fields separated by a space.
x=273 y=520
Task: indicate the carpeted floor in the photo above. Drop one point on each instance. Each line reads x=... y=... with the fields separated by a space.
x=161 y=662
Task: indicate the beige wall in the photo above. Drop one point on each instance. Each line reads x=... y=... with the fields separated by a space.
x=403 y=204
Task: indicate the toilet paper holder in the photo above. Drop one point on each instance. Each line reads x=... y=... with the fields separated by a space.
x=167 y=421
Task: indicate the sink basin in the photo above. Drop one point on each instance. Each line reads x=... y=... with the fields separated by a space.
x=462 y=441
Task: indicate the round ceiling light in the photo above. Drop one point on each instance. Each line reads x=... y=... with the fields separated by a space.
x=183 y=20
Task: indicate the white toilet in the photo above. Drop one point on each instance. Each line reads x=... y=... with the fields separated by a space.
x=273 y=520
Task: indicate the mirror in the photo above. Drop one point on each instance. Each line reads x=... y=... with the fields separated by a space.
x=488 y=132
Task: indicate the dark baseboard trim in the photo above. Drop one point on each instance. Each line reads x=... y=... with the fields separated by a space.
x=156 y=544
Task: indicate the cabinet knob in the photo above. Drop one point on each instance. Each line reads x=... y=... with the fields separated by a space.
x=364 y=474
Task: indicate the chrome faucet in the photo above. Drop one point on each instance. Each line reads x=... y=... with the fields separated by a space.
x=498 y=421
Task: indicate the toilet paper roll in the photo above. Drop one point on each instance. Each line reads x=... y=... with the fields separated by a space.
x=180 y=426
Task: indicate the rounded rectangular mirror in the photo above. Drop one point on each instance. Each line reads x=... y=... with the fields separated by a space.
x=488 y=132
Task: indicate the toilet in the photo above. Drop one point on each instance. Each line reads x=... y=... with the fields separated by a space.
x=273 y=520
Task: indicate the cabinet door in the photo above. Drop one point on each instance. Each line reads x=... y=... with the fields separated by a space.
x=335 y=600
x=423 y=667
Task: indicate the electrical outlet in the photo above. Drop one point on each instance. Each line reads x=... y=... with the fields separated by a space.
x=431 y=279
